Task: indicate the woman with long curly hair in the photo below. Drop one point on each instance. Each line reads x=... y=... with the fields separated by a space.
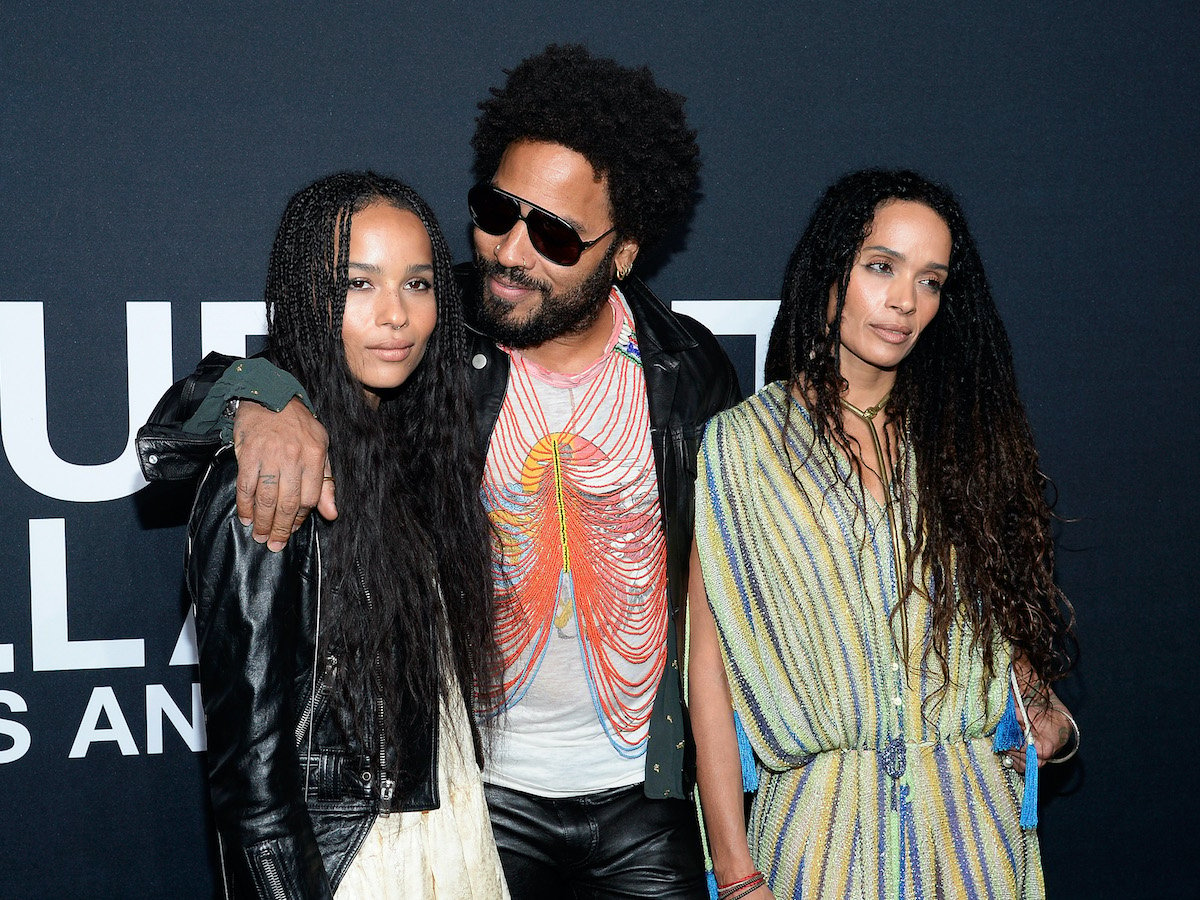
x=872 y=587
x=338 y=673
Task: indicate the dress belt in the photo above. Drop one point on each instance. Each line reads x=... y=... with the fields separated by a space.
x=894 y=754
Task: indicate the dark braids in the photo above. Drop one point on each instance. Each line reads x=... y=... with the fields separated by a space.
x=411 y=525
x=982 y=519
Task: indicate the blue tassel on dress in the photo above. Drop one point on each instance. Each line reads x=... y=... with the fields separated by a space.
x=746 y=755
x=1008 y=731
x=1009 y=737
x=1029 y=811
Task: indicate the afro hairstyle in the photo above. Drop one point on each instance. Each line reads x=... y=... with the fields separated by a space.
x=631 y=130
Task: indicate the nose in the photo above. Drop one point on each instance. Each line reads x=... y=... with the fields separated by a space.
x=513 y=249
x=393 y=308
x=902 y=296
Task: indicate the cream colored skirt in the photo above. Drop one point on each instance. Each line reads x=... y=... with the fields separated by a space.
x=446 y=853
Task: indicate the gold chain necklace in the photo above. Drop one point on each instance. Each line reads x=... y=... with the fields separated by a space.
x=868 y=416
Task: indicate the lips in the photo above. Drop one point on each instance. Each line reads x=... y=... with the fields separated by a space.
x=507 y=290
x=893 y=334
x=392 y=351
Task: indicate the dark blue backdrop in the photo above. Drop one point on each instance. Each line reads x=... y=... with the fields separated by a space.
x=146 y=155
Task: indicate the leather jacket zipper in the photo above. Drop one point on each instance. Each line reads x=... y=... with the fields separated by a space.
x=270 y=870
x=387 y=784
x=318 y=697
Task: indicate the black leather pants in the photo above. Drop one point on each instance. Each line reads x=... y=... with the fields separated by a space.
x=612 y=844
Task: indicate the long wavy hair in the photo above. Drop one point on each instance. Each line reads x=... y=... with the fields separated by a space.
x=407 y=558
x=982 y=520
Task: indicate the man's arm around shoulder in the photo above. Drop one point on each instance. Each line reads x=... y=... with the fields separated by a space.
x=279 y=444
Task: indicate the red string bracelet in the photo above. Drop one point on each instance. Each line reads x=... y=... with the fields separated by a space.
x=738 y=889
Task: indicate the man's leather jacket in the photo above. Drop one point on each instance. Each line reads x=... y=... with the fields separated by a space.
x=688 y=380
x=293 y=794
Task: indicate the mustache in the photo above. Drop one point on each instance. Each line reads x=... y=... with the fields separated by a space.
x=512 y=274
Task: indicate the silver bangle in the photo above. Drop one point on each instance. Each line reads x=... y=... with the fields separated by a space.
x=1075 y=749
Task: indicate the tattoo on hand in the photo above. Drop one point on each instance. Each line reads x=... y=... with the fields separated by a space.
x=267 y=479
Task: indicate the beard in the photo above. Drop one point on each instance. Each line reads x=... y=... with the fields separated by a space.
x=571 y=312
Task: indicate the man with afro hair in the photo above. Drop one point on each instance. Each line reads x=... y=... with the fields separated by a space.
x=590 y=400
x=566 y=96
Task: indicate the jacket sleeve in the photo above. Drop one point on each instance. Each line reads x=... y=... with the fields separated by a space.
x=189 y=423
x=715 y=377
x=250 y=636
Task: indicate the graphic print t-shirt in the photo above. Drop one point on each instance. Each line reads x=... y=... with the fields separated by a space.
x=580 y=573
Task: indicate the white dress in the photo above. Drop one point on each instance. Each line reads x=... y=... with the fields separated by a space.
x=446 y=853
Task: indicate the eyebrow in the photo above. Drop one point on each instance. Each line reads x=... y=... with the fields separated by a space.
x=579 y=227
x=896 y=254
x=373 y=269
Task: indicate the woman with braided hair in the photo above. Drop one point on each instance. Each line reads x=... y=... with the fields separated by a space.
x=338 y=673
x=872 y=581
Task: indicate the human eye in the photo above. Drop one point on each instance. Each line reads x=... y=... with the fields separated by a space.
x=882 y=266
x=358 y=284
x=933 y=284
x=418 y=284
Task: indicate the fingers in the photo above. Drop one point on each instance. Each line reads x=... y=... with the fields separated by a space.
x=325 y=505
x=281 y=461
x=1054 y=734
x=289 y=511
x=1050 y=725
x=247 y=485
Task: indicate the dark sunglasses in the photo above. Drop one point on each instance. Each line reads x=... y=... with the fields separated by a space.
x=497 y=212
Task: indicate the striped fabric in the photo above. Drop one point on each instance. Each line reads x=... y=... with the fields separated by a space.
x=863 y=793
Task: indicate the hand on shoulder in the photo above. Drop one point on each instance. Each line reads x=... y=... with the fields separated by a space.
x=282 y=470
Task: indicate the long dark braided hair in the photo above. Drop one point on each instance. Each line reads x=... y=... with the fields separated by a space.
x=982 y=520
x=411 y=525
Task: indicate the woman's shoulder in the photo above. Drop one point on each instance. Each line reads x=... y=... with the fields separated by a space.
x=741 y=437
x=765 y=409
x=214 y=511
x=216 y=493
x=218 y=484
x=225 y=562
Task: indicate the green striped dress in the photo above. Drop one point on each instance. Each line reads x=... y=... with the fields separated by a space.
x=862 y=792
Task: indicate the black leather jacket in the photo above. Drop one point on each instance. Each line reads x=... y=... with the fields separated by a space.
x=293 y=797
x=689 y=379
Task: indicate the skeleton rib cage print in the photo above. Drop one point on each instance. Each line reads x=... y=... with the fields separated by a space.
x=571 y=491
